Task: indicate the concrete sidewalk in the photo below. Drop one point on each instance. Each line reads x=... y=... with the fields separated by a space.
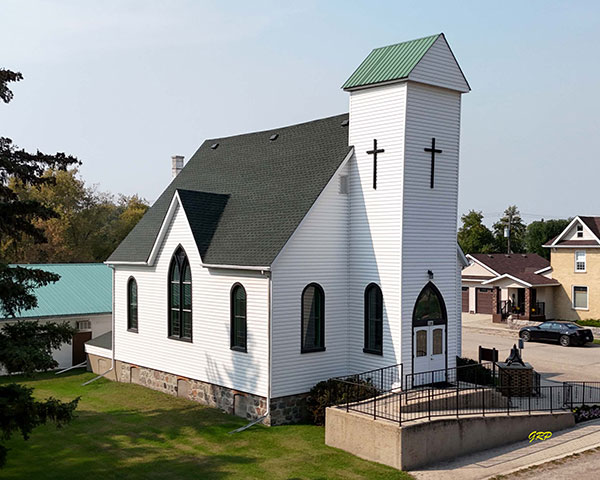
x=517 y=456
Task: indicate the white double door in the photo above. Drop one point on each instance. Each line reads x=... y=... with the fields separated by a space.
x=429 y=354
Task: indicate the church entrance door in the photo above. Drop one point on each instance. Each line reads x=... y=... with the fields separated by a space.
x=429 y=359
x=429 y=354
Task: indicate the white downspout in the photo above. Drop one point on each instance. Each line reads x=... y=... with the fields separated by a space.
x=270 y=331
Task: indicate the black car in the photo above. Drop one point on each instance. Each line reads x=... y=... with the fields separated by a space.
x=564 y=333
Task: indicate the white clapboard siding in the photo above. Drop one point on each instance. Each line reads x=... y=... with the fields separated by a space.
x=317 y=252
x=209 y=357
x=438 y=67
x=375 y=217
x=429 y=221
x=458 y=328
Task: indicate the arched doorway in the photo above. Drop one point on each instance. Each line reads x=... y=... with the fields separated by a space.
x=429 y=325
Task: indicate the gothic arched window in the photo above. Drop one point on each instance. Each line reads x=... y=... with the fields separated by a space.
x=132 y=305
x=429 y=307
x=313 y=319
x=373 y=320
x=238 y=318
x=180 y=297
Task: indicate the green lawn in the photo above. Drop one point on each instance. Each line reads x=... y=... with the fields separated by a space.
x=126 y=431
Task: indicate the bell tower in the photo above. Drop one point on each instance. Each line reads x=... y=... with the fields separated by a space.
x=405 y=127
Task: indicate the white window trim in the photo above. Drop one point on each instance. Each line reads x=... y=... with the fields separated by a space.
x=578 y=231
x=587 y=297
x=584 y=262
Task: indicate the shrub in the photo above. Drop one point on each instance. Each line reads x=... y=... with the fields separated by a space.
x=335 y=392
x=586 y=412
x=588 y=323
x=470 y=371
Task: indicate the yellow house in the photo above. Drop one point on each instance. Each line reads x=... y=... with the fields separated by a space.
x=575 y=263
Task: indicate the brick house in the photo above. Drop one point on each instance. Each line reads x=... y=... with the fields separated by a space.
x=501 y=285
x=575 y=264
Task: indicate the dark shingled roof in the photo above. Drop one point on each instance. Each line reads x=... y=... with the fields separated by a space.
x=522 y=266
x=245 y=198
x=593 y=223
x=512 y=264
x=102 y=341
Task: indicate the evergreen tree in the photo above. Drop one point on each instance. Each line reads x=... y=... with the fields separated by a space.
x=513 y=221
x=17 y=284
x=18 y=409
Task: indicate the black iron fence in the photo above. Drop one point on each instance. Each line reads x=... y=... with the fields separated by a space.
x=483 y=373
x=380 y=379
x=430 y=402
x=539 y=309
x=461 y=391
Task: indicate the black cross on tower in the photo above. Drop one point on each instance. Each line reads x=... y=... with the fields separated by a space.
x=374 y=152
x=433 y=151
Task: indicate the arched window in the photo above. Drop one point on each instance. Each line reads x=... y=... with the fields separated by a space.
x=429 y=307
x=238 y=318
x=132 y=305
x=313 y=319
x=373 y=320
x=180 y=297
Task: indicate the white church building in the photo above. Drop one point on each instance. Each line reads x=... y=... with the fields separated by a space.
x=278 y=259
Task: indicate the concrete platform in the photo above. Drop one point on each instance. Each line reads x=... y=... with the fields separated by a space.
x=422 y=443
x=515 y=457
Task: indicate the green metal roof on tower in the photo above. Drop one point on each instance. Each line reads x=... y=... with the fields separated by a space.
x=393 y=62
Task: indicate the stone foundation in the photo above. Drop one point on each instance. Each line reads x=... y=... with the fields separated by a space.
x=284 y=410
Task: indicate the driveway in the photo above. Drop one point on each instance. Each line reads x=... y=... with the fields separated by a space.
x=554 y=362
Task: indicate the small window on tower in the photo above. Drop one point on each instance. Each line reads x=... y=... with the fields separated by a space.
x=579 y=231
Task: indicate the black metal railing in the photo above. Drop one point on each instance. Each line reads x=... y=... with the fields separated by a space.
x=539 y=309
x=460 y=391
x=582 y=393
x=380 y=379
x=507 y=307
x=483 y=373
x=432 y=402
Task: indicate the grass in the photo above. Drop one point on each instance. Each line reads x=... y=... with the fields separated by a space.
x=125 y=431
x=588 y=323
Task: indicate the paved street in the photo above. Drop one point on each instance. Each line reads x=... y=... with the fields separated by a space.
x=554 y=362
x=583 y=466
x=510 y=458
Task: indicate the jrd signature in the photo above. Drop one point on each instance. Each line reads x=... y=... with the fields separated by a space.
x=539 y=436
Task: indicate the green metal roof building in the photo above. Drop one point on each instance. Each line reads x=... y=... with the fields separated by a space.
x=83 y=289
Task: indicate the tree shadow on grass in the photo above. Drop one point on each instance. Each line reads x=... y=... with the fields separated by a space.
x=160 y=443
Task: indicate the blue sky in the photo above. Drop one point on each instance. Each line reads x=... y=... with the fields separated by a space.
x=126 y=84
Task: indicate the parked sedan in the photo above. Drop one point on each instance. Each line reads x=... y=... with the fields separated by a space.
x=564 y=333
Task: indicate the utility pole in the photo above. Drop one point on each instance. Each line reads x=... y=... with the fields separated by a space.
x=507 y=232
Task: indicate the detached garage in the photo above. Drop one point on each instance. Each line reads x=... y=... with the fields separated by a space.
x=483 y=300
x=465 y=299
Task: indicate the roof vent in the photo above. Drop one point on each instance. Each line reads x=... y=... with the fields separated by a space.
x=214 y=146
x=274 y=137
x=345 y=123
x=524 y=255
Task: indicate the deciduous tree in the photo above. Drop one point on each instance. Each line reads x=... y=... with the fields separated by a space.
x=473 y=235
x=540 y=232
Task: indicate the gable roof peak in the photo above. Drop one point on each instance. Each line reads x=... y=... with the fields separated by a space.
x=244 y=199
x=426 y=60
